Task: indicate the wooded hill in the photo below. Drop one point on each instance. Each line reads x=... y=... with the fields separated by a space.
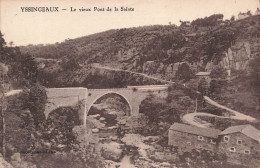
x=169 y=52
x=131 y=48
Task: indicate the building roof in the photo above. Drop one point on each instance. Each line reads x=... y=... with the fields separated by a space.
x=206 y=132
x=247 y=130
x=203 y=74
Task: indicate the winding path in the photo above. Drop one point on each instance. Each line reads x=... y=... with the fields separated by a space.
x=191 y=119
x=236 y=115
x=12 y=92
x=136 y=73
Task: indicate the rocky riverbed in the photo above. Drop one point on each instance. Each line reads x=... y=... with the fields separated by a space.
x=109 y=140
x=120 y=147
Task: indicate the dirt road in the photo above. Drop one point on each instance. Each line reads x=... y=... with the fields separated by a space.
x=137 y=73
x=12 y=92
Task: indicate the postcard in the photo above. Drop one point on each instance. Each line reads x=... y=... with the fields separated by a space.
x=129 y=83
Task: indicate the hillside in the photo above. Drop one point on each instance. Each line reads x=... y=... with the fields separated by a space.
x=169 y=52
x=153 y=49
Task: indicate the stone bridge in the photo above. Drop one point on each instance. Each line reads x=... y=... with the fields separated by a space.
x=84 y=98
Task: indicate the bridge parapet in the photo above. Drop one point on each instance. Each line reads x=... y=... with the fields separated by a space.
x=109 y=89
x=149 y=86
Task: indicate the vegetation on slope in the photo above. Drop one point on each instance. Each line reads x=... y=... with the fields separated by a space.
x=152 y=50
x=163 y=43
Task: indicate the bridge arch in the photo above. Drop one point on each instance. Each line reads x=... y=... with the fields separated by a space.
x=63 y=119
x=95 y=98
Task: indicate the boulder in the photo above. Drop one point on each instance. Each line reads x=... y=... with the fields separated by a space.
x=61 y=146
x=94 y=123
x=113 y=138
x=152 y=138
x=112 y=127
x=112 y=151
x=47 y=144
x=38 y=134
x=16 y=157
x=10 y=150
x=94 y=139
x=165 y=164
x=102 y=119
x=95 y=130
x=95 y=116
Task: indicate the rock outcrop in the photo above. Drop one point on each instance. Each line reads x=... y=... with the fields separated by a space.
x=236 y=57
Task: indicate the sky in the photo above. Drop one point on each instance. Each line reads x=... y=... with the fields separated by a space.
x=23 y=28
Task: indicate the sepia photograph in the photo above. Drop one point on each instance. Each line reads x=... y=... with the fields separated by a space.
x=129 y=83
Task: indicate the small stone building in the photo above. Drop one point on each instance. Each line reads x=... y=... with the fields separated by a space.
x=242 y=16
x=240 y=143
x=187 y=137
x=205 y=75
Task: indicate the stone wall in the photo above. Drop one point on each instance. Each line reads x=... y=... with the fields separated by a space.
x=239 y=155
x=186 y=142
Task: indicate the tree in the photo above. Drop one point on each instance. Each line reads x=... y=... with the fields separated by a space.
x=11 y=43
x=218 y=73
x=2 y=42
x=232 y=18
x=29 y=68
x=207 y=21
x=151 y=107
x=255 y=73
x=184 y=72
x=37 y=99
x=70 y=64
x=215 y=86
x=3 y=106
x=249 y=13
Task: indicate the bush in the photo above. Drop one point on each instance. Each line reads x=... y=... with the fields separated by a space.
x=184 y=72
x=162 y=113
x=255 y=74
x=218 y=73
x=60 y=124
x=151 y=107
x=70 y=64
